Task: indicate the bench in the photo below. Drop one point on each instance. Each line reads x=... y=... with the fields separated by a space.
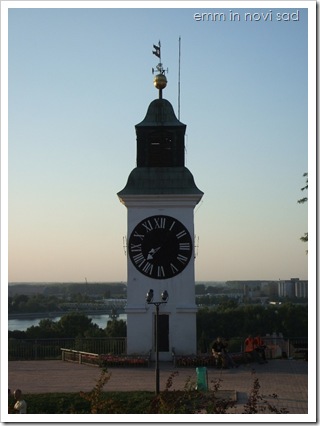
x=300 y=351
x=105 y=360
x=79 y=357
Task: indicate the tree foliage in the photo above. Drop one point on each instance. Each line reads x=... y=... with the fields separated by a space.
x=22 y=303
x=303 y=200
x=116 y=328
x=75 y=324
x=289 y=319
x=226 y=321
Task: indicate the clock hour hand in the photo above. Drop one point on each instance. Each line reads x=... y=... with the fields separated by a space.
x=152 y=252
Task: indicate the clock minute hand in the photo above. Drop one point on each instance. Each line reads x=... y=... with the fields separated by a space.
x=152 y=252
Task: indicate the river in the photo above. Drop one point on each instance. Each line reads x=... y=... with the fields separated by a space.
x=23 y=324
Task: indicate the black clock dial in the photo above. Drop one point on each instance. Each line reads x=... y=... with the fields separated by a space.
x=160 y=247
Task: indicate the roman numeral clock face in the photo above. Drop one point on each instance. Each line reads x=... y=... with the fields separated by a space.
x=160 y=247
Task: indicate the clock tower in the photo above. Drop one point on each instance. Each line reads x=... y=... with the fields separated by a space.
x=160 y=196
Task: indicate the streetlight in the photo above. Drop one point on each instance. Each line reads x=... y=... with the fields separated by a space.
x=149 y=300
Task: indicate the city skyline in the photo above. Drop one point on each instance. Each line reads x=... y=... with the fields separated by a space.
x=79 y=81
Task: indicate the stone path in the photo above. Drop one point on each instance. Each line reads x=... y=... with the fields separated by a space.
x=286 y=378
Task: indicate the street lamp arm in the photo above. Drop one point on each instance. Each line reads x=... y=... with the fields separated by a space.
x=156 y=303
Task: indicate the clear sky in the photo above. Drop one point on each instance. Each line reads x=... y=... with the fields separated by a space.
x=80 y=79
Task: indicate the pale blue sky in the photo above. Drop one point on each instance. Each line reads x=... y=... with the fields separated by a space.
x=80 y=79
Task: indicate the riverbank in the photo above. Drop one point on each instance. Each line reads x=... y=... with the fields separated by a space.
x=23 y=323
x=55 y=314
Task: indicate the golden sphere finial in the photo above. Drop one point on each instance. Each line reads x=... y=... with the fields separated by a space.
x=160 y=81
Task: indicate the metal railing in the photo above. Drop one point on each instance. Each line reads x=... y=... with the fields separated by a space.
x=33 y=349
x=277 y=346
x=291 y=347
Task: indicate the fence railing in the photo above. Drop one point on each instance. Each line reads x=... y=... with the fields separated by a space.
x=32 y=349
x=291 y=347
x=277 y=346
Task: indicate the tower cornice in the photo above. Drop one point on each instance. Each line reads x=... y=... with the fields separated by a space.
x=163 y=201
x=160 y=181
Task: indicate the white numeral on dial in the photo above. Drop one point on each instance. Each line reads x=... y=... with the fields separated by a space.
x=161 y=272
x=148 y=225
x=160 y=222
x=148 y=267
x=181 y=234
x=184 y=246
x=173 y=268
x=139 y=259
x=182 y=259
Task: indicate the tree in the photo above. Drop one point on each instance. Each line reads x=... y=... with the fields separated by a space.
x=116 y=328
x=288 y=318
x=75 y=324
x=303 y=200
x=200 y=289
x=46 y=329
x=227 y=303
x=19 y=302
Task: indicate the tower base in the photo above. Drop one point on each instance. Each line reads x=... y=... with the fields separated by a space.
x=177 y=331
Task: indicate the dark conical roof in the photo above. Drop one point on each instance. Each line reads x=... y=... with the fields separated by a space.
x=160 y=113
x=160 y=180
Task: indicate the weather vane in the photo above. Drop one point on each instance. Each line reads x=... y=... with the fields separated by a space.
x=160 y=80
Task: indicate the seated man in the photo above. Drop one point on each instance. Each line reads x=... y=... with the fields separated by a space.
x=250 y=349
x=259 y=347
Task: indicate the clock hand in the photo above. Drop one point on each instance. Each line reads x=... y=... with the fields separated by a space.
x=152 y=252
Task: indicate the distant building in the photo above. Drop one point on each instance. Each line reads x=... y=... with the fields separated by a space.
x=285 y=288
x=301 y=289
x=293 y=288
x=269 y=288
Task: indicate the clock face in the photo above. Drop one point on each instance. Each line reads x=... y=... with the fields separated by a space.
x=160 y=247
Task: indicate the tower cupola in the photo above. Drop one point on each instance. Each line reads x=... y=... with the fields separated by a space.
x=160 y=162
x=160 y=137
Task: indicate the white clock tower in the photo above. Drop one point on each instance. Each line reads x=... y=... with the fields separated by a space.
x=160 y=196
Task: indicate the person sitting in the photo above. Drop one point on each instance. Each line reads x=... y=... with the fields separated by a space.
x=219 y=353
x=20 y=406
x=259 y=347
x=250 y=349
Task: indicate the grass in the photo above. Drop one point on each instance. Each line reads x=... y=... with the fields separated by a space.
x=175 y=402
x=74 y=403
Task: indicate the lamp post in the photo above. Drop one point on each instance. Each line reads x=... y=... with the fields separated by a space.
x=149 y=300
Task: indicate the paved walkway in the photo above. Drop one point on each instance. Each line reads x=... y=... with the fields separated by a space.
x=286 y=378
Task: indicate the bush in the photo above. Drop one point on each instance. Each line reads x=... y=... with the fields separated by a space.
x=186 y=401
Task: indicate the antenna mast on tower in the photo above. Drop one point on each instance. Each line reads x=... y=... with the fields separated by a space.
x=179 y=78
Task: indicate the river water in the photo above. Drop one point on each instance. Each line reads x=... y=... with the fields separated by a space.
x=23 y=324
